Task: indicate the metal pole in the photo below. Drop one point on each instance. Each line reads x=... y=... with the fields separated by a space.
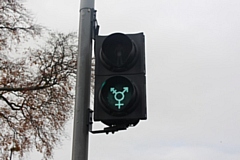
x=82 y=101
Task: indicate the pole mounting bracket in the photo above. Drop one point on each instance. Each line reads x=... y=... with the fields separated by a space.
x=95 y=26
x=111 y=129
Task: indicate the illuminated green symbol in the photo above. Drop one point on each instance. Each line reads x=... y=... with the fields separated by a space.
x=119 y=96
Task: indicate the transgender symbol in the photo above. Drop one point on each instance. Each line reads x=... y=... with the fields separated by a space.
x=119 y=96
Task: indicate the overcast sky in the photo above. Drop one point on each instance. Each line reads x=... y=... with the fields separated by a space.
x=193 y=77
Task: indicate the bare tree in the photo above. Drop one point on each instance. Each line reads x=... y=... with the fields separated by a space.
x=37 y=90
x=36 y=96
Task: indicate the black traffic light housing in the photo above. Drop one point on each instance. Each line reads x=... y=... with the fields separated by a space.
x=120 y=83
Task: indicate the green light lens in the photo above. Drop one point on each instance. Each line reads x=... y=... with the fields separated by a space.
x=117 y=92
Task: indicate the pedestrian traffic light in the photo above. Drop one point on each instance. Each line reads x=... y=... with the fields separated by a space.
x=120 y=83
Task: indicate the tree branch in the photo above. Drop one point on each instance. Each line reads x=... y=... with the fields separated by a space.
x=32 y=88
x=12 y=105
